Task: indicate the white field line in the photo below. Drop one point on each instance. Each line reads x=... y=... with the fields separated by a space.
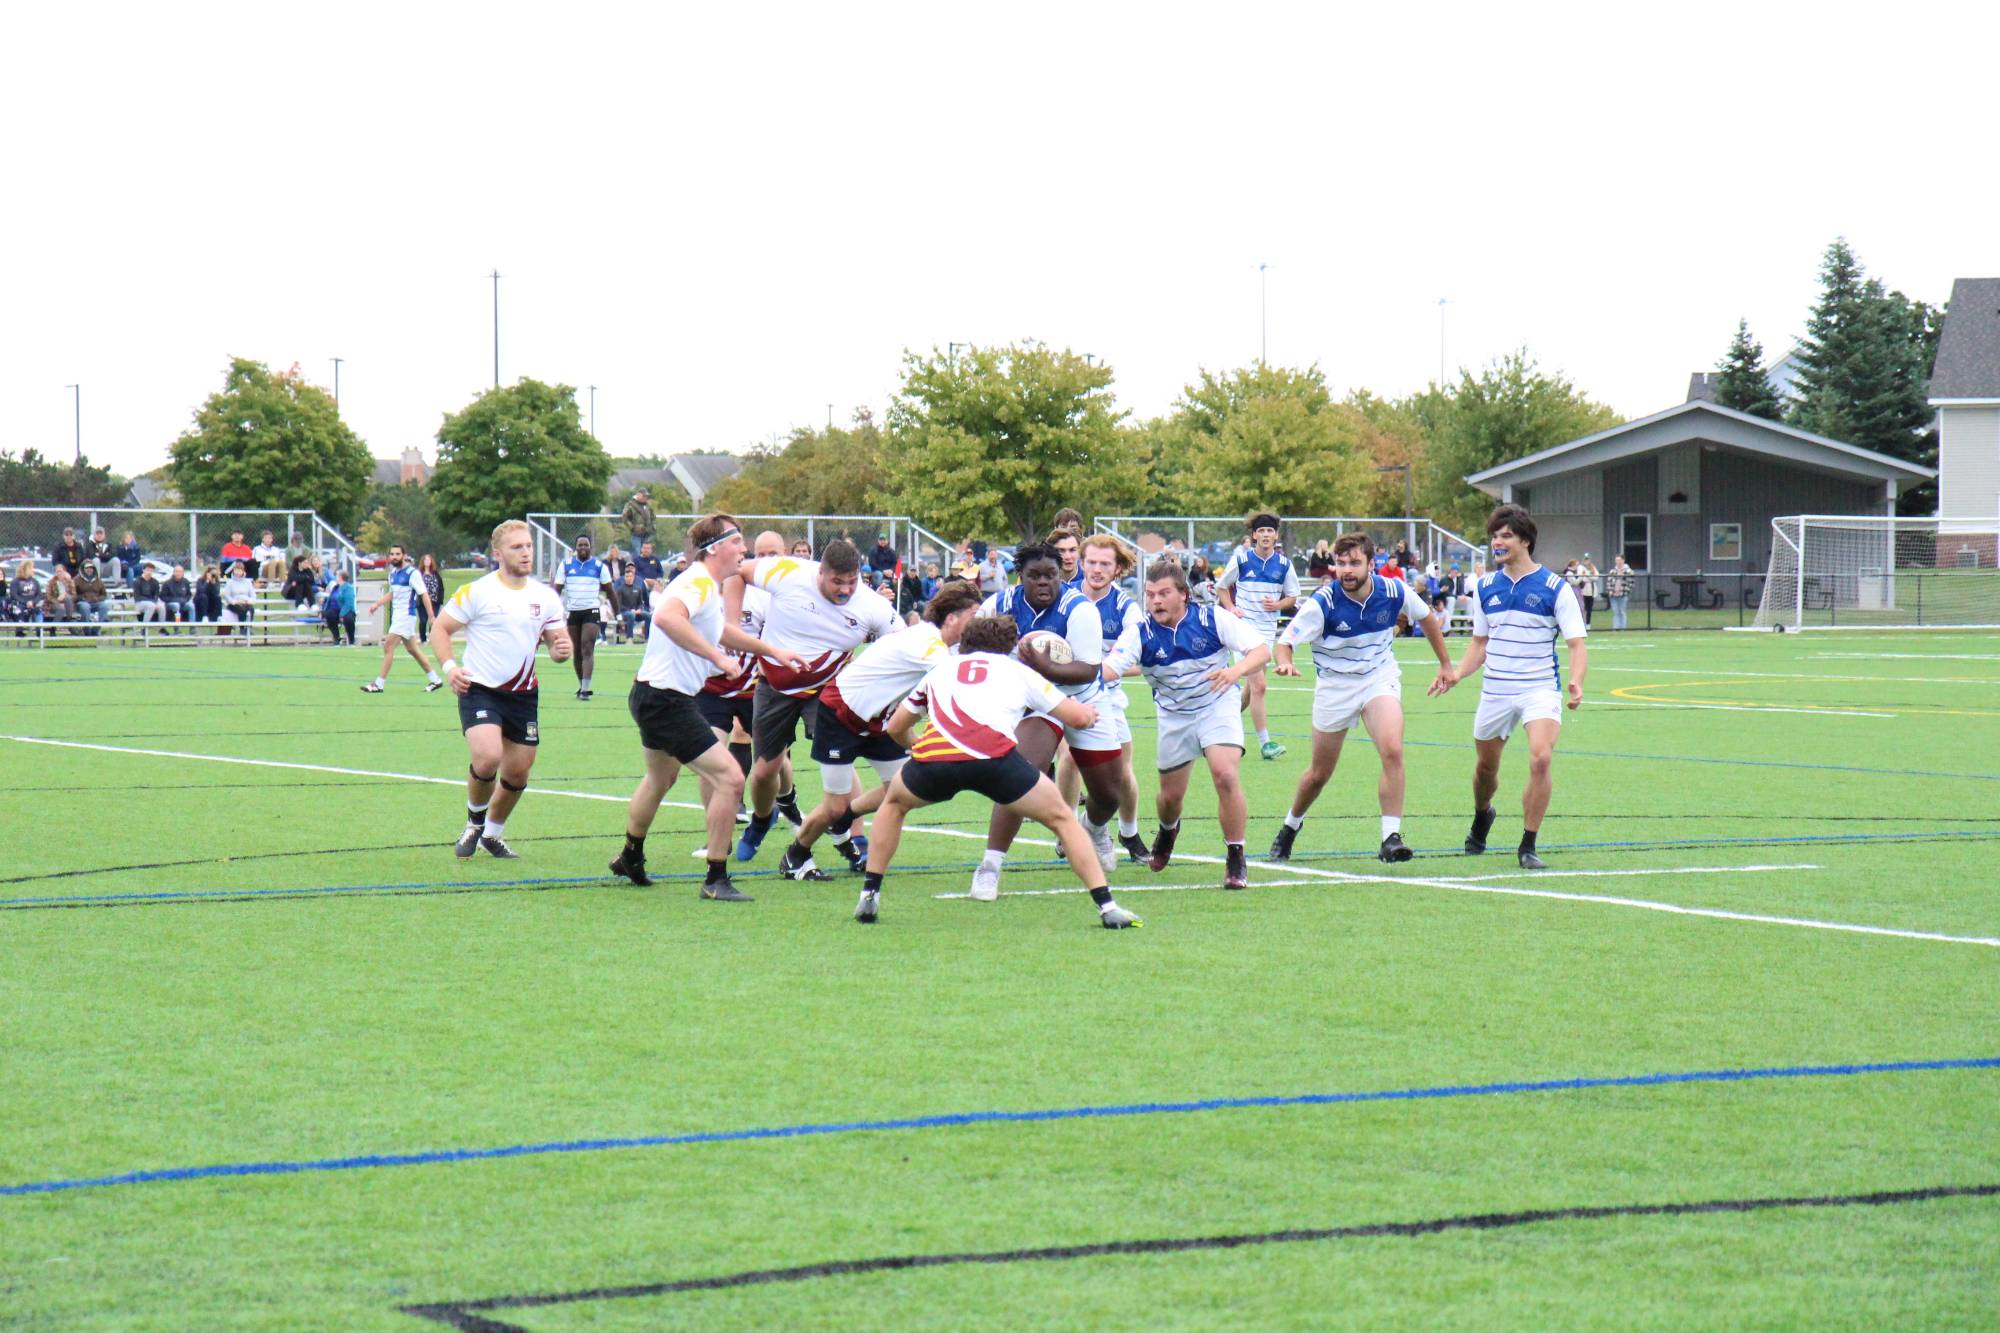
x=1914 y=657
x=1209 y=886
x=1736 y=708
x=1453 y=881
x=1804 y=675
x=1334 y=875
x=1539 y=875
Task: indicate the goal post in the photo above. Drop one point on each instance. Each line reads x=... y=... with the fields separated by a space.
x=1844 y=571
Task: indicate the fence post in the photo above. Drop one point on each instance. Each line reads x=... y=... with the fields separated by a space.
x=194 y=549
x=810 y=539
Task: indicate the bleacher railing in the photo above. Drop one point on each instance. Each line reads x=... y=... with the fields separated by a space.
x=556 y=534
x=192 y=538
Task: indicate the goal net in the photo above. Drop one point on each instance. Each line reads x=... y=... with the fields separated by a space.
x=1847 y=572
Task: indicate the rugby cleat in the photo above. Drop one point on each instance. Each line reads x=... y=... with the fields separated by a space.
x=722 y=891
x=584 y=695
x=742 y=815
x=468 y=841
x=432 y=687
x=1281 y=846
x=1135 y=847
x=801 y=868
x=788 y=806
x=1113 y=917
x=1482 y=824
x=1163 y=849
x=753 y=835
x=1394 y=850
x=1235 y=875
x=497 y=847
x=868 y=908
x=1529 y=861
x=632 y=868
x=1270 y=749
x=985 y=884
x=371 y=688
x=855 y=852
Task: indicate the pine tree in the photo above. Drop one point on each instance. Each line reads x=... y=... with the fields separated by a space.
x=1743 y=384
x=1864 y=362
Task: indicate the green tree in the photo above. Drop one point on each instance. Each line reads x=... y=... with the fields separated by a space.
x=34 y=480
x=1264 y=437
x=266 y=441
x=1743 y=384
x=837 y=471
x=407 y=515
x=997 y=439
x=514 y=451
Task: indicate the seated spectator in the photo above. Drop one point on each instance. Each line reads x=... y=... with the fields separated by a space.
x=177 y=597
x=336 y=611
x=270 y=559
x=69 y=554
x=235 y=550
x=296 y=550
x=208 y=596
x=299 y=581
x=146 y=602
x=632 y=599
x=648 y=564
x=131 y=561
x=24 y=597
x=239 y=594
x=883 y=559
x=93 y=602
x=59 y=598
x=910 y=592
x=99 y=549
x=1319 y=567
x=1201 y=582
x=802 y=549
x=615 y=561
x=931 y=582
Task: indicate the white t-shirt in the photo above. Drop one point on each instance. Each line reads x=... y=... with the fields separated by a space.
x=975 y=701
x=741 y=679
x=1521 y=622
x=503 y=628
x=823 y=632
x=883 y=677
x=669 y=666
x=263 y=553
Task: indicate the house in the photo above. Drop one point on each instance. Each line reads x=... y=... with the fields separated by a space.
x=1965 y=391
x=1692 y=489
x=1782 y=375
x=409 y=470
x=683 y=482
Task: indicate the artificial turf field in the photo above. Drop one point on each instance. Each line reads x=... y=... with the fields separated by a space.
x=282 y=973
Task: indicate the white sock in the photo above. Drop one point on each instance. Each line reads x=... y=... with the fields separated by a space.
x=1263 y=735
x=1128 y=828
x=494 y=827
x=847 y=837
x=378 y=682
x=1293 y=821
x=432 y=674
x=584 y=684
x=992 y=860
x=1091 y=828
x=1391 y=824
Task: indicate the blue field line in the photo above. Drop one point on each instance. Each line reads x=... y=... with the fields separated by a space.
x=372 y=1161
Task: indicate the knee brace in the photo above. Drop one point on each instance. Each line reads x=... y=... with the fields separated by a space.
x=512 y=787
x=477 y=776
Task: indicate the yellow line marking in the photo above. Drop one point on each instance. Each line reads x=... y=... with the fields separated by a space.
x=1919 y=710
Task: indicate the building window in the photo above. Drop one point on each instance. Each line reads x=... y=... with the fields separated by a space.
x=1635 y=537
x=1725 y=541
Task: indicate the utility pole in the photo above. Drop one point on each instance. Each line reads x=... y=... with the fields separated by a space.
x=951 y=353
x=79 y=419
x=496 y=328
x=593 y=411
x=336 y=383
x=1263 y=315
x=1441 y=305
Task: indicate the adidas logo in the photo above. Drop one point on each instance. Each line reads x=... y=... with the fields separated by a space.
x=1343 y=625
x=1493 y=601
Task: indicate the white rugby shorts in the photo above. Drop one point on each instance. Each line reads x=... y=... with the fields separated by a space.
x=1183 y=736
x=1497 y=718
x=1102 y=734
x=403 y=624
x=1338 y=700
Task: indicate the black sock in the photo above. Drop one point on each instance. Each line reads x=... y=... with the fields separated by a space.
x=475 y=814
x=635 y=847
x=717 y=870
x=797 y=851
x=871 y=882
x=762 y=823
x=788 y=801
x=1100 y=896
x=740 y=752
x=1528 y=839
x=842 y=823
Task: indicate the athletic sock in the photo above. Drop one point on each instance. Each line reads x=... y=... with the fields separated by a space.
x=1101 y=896
x=1235 y=847
x=1128 y=828
x=635 y=846
x=432 y=674
x=788 y=801
x=1294 y=822
x=842 y=825
x=740 y=752
x=1169 y=828
x=717 y=870
x=1528 y=839
x=992 y=860
x=1263 y=735
x=1391 y=824
x=797 y=851
x=379 y=681
x=871 y=882
x=584 y=685
x=494 y=827
x=475 y=814
x=845 y=836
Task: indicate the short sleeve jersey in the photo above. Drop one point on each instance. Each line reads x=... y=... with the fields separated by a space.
x=824 y=633
x=975 y=701
x=879 y=679
x=1521 y=620
x=1071 y=616
x=503 y=628
x=583 y=583
x=1176 y=659
x=406 y=589
x=667 y=665
x=1351 y=639
x=741 y=680
x=1255 y=577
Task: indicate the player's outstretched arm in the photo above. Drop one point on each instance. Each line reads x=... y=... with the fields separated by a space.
x=1282 y=664
x=1434 y=636
x=736 y=641
x=1072 y=713
x=1475 y=658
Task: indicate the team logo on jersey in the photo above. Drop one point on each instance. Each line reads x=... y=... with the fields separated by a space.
x=1534 y=600
x=852 y=623
x=1494 y=600
x=534 y=608
x=531 y=732
x=1343 y=625
x=479 y=713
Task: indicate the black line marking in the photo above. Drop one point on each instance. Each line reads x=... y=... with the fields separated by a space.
x=289 y=896
x=349 y=850
x=468 y=1316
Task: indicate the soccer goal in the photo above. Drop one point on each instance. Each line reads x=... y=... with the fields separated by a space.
x=1839 y=571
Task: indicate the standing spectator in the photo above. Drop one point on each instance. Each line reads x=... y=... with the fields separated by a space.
x=1572 y=574
x=638 y=517
x=270 y=559
x=630 y=598
x=59 y=598
x=433 y=577
x=883 y=559
x=208 y=597
x=337 y=610
x=1458 y=595
x=99 y=549
x=131 y=561
x=178 y=597
x=93 y=602
x=296 y=550
x=992 y=573
x=1319 y=567
x=615 y=562
x=24 y=597
x=651 y=575
x=235 y=550
x=69 y=554
x=240 y=596
x=1589 y=586
x=1618 y=587
x=146 y=603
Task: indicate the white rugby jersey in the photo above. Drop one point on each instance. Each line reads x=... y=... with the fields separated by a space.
x=741 y=679
x=1351 y=639
x=582 y=582
x=503 y=627
x=1072 y=615
x=667 y=665
x=879 y=679
x=1521 y=621
x=975 y=701
x=823 y=633
x=1255 y=577
x=1176 y=659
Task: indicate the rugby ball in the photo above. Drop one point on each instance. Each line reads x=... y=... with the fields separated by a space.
x=1052 y=643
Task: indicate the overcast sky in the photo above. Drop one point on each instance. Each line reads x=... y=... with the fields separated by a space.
x=729 y=221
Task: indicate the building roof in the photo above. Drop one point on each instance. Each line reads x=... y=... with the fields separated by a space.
x=388 y=472
x=699 y=474
x=1710 y=424
x=1702 y=385
x=1968 y=358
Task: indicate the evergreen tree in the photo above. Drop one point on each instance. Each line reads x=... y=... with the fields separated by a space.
x=1744 y=385
x=1864 y=362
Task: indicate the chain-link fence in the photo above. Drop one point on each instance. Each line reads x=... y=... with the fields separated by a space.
x=163 y=538
x=1213 y=538
x=555 y=534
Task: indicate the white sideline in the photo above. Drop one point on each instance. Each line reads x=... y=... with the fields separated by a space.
x=1338 y=876
x=1733 y=708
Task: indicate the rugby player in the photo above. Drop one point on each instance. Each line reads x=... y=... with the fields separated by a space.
x=1259 y=584
x=726 y=699
x=407 y=592
x=1102 y=564
x=583 y=581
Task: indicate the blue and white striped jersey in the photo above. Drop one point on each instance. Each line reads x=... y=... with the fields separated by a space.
x=1176 y=659
x=1072 y=615
x=582 y=583
x=1255 y=577
x=1351 y=639
x=406 y=590
x=1521 y=621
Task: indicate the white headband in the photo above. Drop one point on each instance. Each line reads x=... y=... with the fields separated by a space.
x=732 y=532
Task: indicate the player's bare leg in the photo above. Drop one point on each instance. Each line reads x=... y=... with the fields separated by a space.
x=1485 y=781
x=1542 y=735
x=1325 y=757
x=481 y=777
x=585 y=658
x=1224 y=764
x=1045 y=805
x=510 y=764
x=1035 y=741
x=1254 y=689
x=416 y=651
x=1128 y=807
x=1383 y=716
x=1167 y=803
x=722 y=785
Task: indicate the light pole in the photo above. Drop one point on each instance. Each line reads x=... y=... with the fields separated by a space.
x=593 y=411
x=1441 y=305
x=336 y=382
x=496 y=328
x=1409 y=522
x=78 y=388
x=1263 y=315
x=951 y=353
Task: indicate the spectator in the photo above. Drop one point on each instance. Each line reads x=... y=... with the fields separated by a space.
x=208 y=597
x=966 y=566
x=1618 y=587
x=1392 y=568
x=239 y=594
x=631 y=598
x=296 y=550
x=178 y=597
x=99 y=549
x=270 y=559
x=24 y=597
x=1573 y=576
x=336 y=610
x=299 y=582
x=93 y=602
x=1589 y=587
x=1458 y=594
x=1402 y=557
x=638 y=516
x=802 y=549
x=1201 y=582
x=59 y=598
x=931 y=581
x=1320 y=566
x=69 y=554
x=992 y=573
x=977 y=545
x=131 y=561
x=433 y=577
x=236 y=550
x=910 y=596
x=883 y=559
x=146 y=603
x=651 y=574
x=615 y=561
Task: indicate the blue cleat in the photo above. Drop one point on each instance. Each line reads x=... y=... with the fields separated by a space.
x=753 y=835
